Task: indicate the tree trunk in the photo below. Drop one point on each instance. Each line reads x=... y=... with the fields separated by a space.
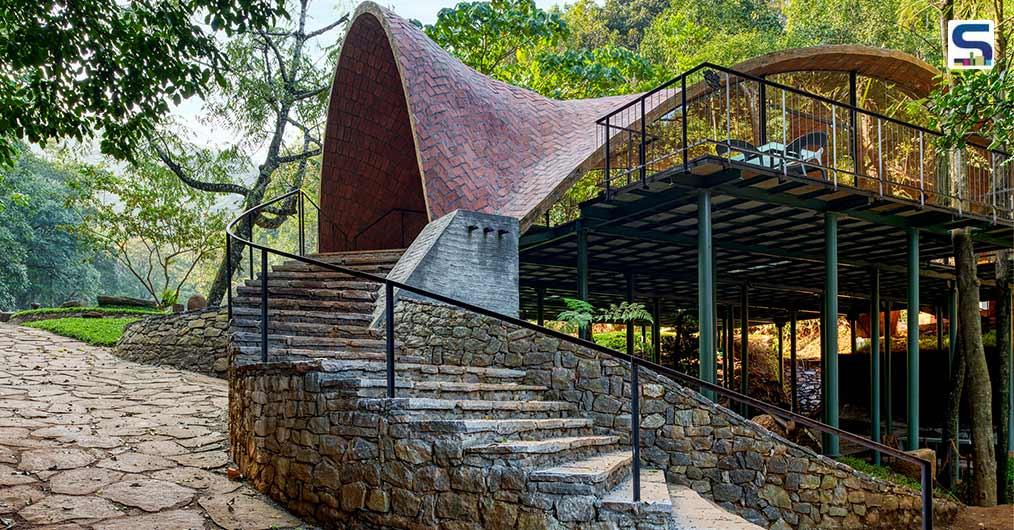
x=948 y=474
x=980 y=402
x=1004 y=278
x=223 y=277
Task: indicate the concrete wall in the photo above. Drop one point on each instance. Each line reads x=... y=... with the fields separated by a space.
x=468 y=256
x=195 y=341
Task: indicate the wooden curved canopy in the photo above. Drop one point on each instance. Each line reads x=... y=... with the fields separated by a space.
x=413 y=134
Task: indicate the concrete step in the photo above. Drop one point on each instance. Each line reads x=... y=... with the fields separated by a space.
x=405 y=409
x=594 y=475
x=421 y=371
x=538 y=454
x=314 y=342
x=253 y=312
x=654 y=495
x=454 y=390
x=476 y=432
x=307 y=329
x=690 y=511
x=306 y=304
x=354 y=295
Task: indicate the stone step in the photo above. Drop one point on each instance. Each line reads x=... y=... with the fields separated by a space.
x=594 y=475
x=253 y=312
x=307 y=329
x=476 y=432
x=453 y=390
x=354 y=295
x=404 y=409
x=310 y=282
x=314 y=342
x=320 y=275
x=306 y=304
x=358 y=257
x=275 y=354
x=690 y=511
x=539 y=454
x=654 y=495
x=376 y=269
x=422 y=371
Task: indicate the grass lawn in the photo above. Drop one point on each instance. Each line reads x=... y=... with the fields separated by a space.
x=95 y=331
x=103 y=309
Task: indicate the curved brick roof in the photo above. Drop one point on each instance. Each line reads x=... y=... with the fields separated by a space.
x=479 y=144
x=413 y=133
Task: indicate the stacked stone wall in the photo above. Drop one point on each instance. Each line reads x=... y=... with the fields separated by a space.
x=196 y=340
x=312 y=444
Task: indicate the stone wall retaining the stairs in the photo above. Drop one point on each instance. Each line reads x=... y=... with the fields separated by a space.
x=195 y=341
x=740 y=465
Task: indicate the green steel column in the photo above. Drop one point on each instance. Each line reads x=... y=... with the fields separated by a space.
x=730 y=323
x=705 y=291
x=744 y=315
x=938 y=315
x=540 y=305
x=853 y=322
x=792 y=361
x=875 y=363
x=780 y=324
x=831 y=318
x=913 y=339
x=582 y=273
x=714 y=313
x=656 y=328
x=628 y=278
x=952 y=329
x=888 y=370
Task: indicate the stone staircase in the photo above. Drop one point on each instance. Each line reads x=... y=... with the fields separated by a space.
x=489 y=415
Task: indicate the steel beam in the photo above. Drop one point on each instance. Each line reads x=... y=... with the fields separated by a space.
x=913 y=339
x=705 y=292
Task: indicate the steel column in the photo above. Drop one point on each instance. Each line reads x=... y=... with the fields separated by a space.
x=938 y=315
x=781 y=353
x=744 y=376
x=582 y=274
x=888 y=370
x=793 y=382
x=540 y=305
x=913 y=339
x=635 y=398
x=628 y=279
x=656 y=329
x=831 y=320
x=875 y=363
x=705 y=292
x=952 y=330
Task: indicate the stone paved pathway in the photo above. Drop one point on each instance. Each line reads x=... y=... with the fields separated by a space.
x=91 y=441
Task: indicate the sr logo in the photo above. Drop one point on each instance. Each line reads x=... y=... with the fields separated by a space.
x=970 y=44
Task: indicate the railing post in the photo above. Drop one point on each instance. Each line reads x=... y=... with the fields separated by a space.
x=264 y=305
x=922 y=172
x=608 y=186
x=642 y=152
x=228 y=274
x=927 y=496
x=389 y=321
x=635 y=427
x=834 y=145
x=785 y=139
x=249 y=226
x=302 y=237
x=880 y=158
x=683 y=105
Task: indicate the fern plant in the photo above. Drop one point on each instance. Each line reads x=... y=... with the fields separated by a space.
x=580 y=313
x=577 y=315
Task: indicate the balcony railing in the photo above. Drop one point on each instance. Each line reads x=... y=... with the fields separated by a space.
x=714 y=111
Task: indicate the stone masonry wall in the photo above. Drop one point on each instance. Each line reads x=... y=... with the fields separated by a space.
x=313 y=444
x=743 y=467
x=195 y=340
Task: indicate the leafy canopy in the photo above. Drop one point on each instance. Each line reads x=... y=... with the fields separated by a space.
x=72 y=68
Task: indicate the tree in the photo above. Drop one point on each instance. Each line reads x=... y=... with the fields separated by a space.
x=72 y=68
x=275 y=100
x=1005 y=284
x=150 y=222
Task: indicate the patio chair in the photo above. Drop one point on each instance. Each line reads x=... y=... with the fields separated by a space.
x=725 y=147
x=808 y=147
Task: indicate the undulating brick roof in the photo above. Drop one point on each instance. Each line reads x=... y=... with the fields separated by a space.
x=413 y=134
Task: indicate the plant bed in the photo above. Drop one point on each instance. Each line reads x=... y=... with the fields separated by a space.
x=48 y=313
x=94 y=331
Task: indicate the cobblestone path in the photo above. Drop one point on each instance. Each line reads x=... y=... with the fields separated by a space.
x=91 y=441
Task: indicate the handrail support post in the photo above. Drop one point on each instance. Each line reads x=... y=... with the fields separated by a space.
x=389 y=335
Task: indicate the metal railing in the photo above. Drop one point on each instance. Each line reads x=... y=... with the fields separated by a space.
x=635 y=363
x=715 y=111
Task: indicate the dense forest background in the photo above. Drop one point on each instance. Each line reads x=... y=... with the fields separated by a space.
x=64 y=204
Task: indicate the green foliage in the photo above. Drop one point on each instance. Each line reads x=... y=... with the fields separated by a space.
x=97 y=309
x=978 y=102
x=632 y=312
x=70 y=69
x=94 y=331
x=153 y=224
x=889 y=475
x=577 y=315
x=44 y=262
x=580 y=313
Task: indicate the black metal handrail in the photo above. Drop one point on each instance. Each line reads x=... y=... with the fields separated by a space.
x=635 y=363
x=402 y=211
x=986 y=187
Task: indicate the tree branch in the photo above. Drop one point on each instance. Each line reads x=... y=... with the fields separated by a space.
x=327 y=28
x=299 y=157
x=213 y=187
